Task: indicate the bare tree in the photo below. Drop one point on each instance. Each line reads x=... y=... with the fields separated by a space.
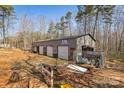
x=26 y=27
x=42 y=26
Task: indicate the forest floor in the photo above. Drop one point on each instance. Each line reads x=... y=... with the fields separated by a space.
x=110 y=76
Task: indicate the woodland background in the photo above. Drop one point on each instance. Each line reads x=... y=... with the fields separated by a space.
x=104 y=22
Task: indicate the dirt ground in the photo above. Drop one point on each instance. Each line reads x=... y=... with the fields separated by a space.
x=8 y=57
x=110 y=76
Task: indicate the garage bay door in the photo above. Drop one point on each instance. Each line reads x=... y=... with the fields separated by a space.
x=35 y=49
x=49 y=51
x=41 y=50
x=63 y=52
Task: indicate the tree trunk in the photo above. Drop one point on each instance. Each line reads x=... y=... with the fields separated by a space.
x=70 y=28
x=85 y=28
x=120 y=42
x=3 y=21
x=94 y=28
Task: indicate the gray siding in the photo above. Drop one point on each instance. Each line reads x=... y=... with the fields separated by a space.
x=55 y=43
x=85 y=40
x=76 y=42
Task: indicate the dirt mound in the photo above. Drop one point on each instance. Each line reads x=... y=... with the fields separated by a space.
x=15 y=72
x=32 y=74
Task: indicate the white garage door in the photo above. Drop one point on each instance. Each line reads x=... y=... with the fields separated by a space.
x=63 y=52
x=41 y=50
x=35 y=49
x=49 y=51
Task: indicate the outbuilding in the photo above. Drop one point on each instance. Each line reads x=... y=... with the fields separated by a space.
x=64 y=48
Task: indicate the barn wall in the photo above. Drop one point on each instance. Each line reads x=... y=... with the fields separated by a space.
x=55 y=43
x=73 y=43
x=85 y=40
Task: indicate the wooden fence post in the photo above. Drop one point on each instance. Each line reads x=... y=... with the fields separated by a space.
x=51 y=78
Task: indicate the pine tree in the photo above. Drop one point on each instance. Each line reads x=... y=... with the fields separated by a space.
x=52 y=30
x=68 y=18
x=5 y=12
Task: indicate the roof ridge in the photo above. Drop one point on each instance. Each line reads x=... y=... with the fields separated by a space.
x=68 y=37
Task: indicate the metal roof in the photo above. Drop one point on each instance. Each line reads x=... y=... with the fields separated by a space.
x=69 y=37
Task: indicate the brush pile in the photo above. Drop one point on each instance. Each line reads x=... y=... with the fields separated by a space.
x=50 y=76
x=35 y=75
